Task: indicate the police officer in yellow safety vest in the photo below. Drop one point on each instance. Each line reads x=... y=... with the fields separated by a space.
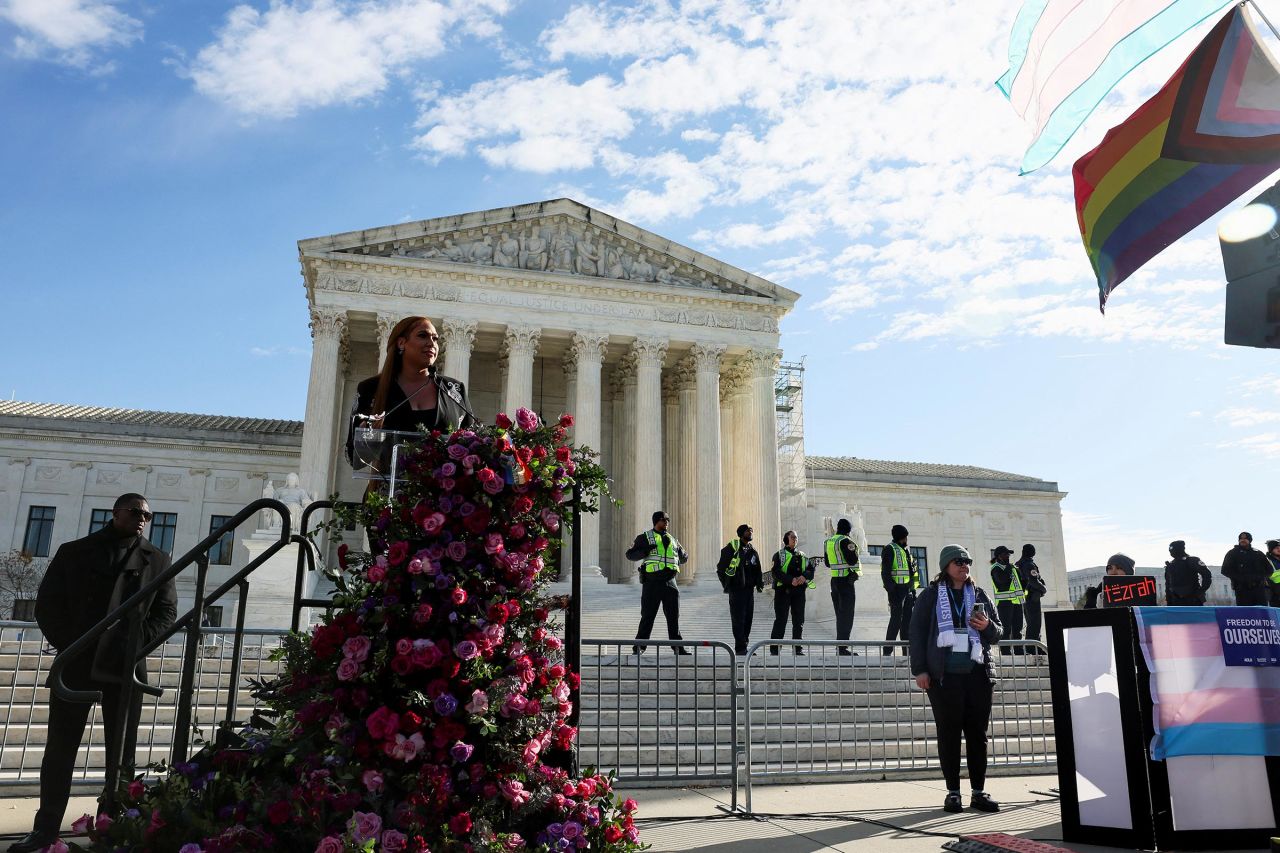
x=901 y=579
x=1273 y=562
x=841 y=556
x=742 y=577
x=1009 y=594
x=791 y=576
x=660 y=557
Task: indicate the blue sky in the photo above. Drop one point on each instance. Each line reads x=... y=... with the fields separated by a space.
x=161 y=160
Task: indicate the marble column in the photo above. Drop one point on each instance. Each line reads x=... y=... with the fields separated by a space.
x=645 y=430
x=319 y=451
x=623 y=383
x=519 y=347
x=683 y=441
x=670 y=456
x=707 y=468
x=385 y=322
x=458 y=337
x=569 y=364
x=589 y=350
x=763 y=366
x=728 y=483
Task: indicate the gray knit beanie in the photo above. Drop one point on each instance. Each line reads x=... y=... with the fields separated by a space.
x=949 y=553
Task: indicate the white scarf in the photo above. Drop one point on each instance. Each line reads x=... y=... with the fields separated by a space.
x=946 y=621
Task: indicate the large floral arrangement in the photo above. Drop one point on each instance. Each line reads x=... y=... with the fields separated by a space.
x=429 y=710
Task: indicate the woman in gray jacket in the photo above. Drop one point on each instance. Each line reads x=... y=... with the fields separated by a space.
x=952 y=629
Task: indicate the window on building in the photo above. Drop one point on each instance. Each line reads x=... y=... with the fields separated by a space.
x=922 y=560
x=220 y=553
x=24 y=610
x=164 y=526
x=212 y=616
x=99 y=519
x=39 y=531
x=875 y=550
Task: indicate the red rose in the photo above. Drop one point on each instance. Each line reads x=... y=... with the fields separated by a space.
x=566 y=421
x=342 y=554
x=397 y=552
x=402 y=665
x=524 y=454
x=461 y=822
x=278 y=812
x=612 y=834
x=562 y=454
x=522 y=504
x=503 y=422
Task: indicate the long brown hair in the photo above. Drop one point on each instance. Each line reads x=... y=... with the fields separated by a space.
x=393 y=360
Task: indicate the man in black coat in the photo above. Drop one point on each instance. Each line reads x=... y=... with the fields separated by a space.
x=1248 y=570
x=792 y=575
x=660 y=556
x=742 y=577
x=901 y=579
x=1035 y=587
x=86 y=580
x=1186 y=579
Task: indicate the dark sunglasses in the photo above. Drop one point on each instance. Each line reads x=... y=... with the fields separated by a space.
x=138 y=513
x=964 y=561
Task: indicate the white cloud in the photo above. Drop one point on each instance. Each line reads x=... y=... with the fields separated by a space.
x=71 y=32
x=1089 y=539
x=1265 y=444
x=300 y=55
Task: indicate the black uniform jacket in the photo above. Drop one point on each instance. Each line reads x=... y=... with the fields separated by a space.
x=799 y=567
x=1187 y=576
x=78 y=587
x=1033 y=583
x=640 y=549
x=452 y=408
x=750 y=572
x=1247 y=568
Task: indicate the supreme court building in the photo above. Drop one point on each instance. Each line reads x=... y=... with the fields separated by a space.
x=668 y=359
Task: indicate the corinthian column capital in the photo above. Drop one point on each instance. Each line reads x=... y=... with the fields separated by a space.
x=649 y=351
x=763 y=362
x=590 y=345
x=521 y=340
x=458 y=333
x=706 y=357
x=328 y=322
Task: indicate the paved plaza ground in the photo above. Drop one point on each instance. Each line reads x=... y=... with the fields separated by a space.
x=690 y=819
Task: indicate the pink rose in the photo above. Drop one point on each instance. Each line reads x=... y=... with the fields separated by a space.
x=394 y=840
x=377 y=572
x=136 y=789
x=329 y=844
x=364 y=826
x=456 y=451
x=60 y=846
x=494 y=632
x=551 y=520
x=372 y=780
x=102 y=823
x=406 y=748
x=493 y=543
x=526 y=419
x=357 y=648
x=493 y=486
x=448 y=469
x=415 y=566
x=459 y=595
x=432 y=523
x=471 y=461
x=532 y=750
x=403 y=646
x=348 y=669
x=479 y=702
x=514 y=791
x=80 y=826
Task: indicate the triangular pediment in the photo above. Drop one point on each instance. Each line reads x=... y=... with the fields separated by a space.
x=558 y=237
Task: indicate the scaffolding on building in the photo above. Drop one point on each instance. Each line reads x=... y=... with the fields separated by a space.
x=788 y=390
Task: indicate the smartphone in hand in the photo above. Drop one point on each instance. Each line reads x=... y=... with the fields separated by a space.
x=979 y=609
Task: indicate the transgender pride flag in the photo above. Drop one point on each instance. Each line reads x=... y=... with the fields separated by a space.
x=1203 y=706
x=1065 y=55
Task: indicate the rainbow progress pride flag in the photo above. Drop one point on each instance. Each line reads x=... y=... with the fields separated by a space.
x=1204 y=139
x=1202 y=706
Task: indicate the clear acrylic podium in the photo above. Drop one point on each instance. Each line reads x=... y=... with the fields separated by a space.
x=375 y=453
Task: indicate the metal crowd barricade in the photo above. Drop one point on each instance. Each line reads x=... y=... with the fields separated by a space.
x=658 y=718
x=24 y=665
x=828 y=715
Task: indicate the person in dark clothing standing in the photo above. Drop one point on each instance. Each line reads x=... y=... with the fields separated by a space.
x=1010 y=596
x=661 y=557
x=86 y=580
x=1117 y=564
x=742 y=577
x=951 y=636
x=791 y=576
x=1034 y=586
x=840 y=553
x=1247 y=569
x=901 y=578
x=1186 y=579
x=1273 y=565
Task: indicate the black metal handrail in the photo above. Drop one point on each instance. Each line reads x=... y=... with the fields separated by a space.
x=130 y=611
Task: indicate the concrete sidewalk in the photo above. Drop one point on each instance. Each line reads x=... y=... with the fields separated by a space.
x=690 y=819
x=1028 y=810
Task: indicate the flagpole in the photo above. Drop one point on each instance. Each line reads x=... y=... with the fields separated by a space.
x=1263 y=16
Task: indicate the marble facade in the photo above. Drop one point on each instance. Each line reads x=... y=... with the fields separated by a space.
x=655 y=348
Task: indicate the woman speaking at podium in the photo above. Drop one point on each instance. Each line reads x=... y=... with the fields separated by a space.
x=408 y=394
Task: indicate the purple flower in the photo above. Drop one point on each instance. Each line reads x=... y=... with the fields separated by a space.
x=456 y=550
x=466 y=650
x=394 y=840
x=191 y=847
x=445 y=703
x=456 y=451
x=329 y=844
x=448 y=469
x=572 y=829
x=466 y=509
x=364 y=826
x=461 y=752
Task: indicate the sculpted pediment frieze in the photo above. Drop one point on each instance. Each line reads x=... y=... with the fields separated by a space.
x=558 y=244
